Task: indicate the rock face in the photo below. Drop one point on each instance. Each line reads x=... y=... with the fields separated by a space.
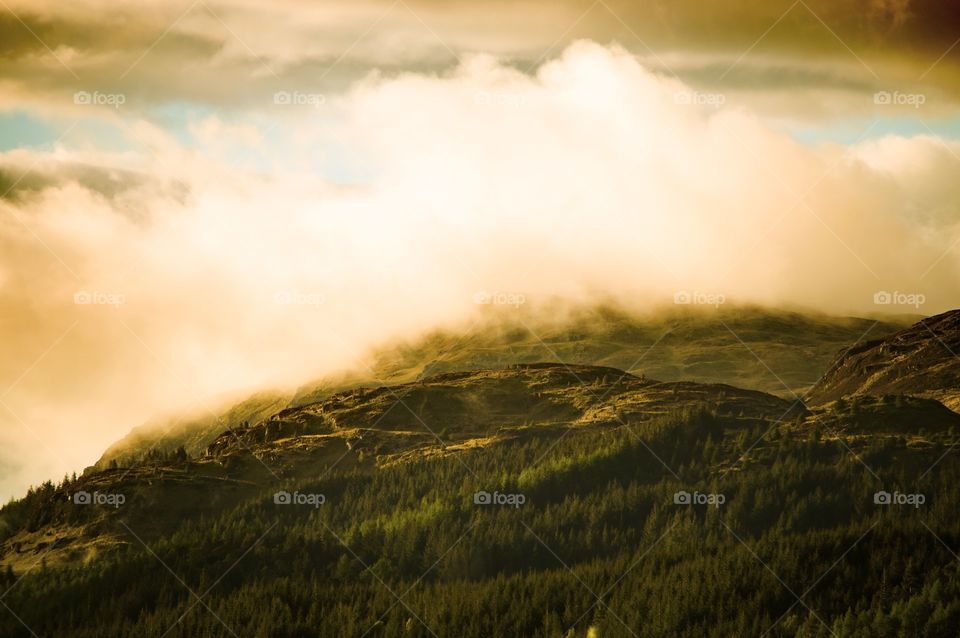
x=922 y=360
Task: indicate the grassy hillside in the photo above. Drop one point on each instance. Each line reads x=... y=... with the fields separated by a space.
x=921 y=360
x=773 y=351
x=749 y=347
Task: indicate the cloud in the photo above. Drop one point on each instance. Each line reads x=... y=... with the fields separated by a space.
x=151 y=280
x=236 y=53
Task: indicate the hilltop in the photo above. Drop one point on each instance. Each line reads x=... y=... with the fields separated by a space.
x=921 y=360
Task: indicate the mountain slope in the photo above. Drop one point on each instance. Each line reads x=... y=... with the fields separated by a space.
x=192 y=432
x=476 y=408
x=359 y=515
x=747 y=347
x=921 y=360
x=720 y=345
x=362 y=430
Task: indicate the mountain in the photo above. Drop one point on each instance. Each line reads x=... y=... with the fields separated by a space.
x=470 y=410
x=368 y=428
x=922 y=360
x=746 y=346
x=774 y=351
x=531 y=499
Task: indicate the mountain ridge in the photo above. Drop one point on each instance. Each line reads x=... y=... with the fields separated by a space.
x=681 y=343
x=920 y=360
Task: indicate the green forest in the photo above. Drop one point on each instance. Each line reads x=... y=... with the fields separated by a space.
x=799 y=547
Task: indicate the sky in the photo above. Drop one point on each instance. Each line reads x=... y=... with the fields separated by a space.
x=202 y=199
